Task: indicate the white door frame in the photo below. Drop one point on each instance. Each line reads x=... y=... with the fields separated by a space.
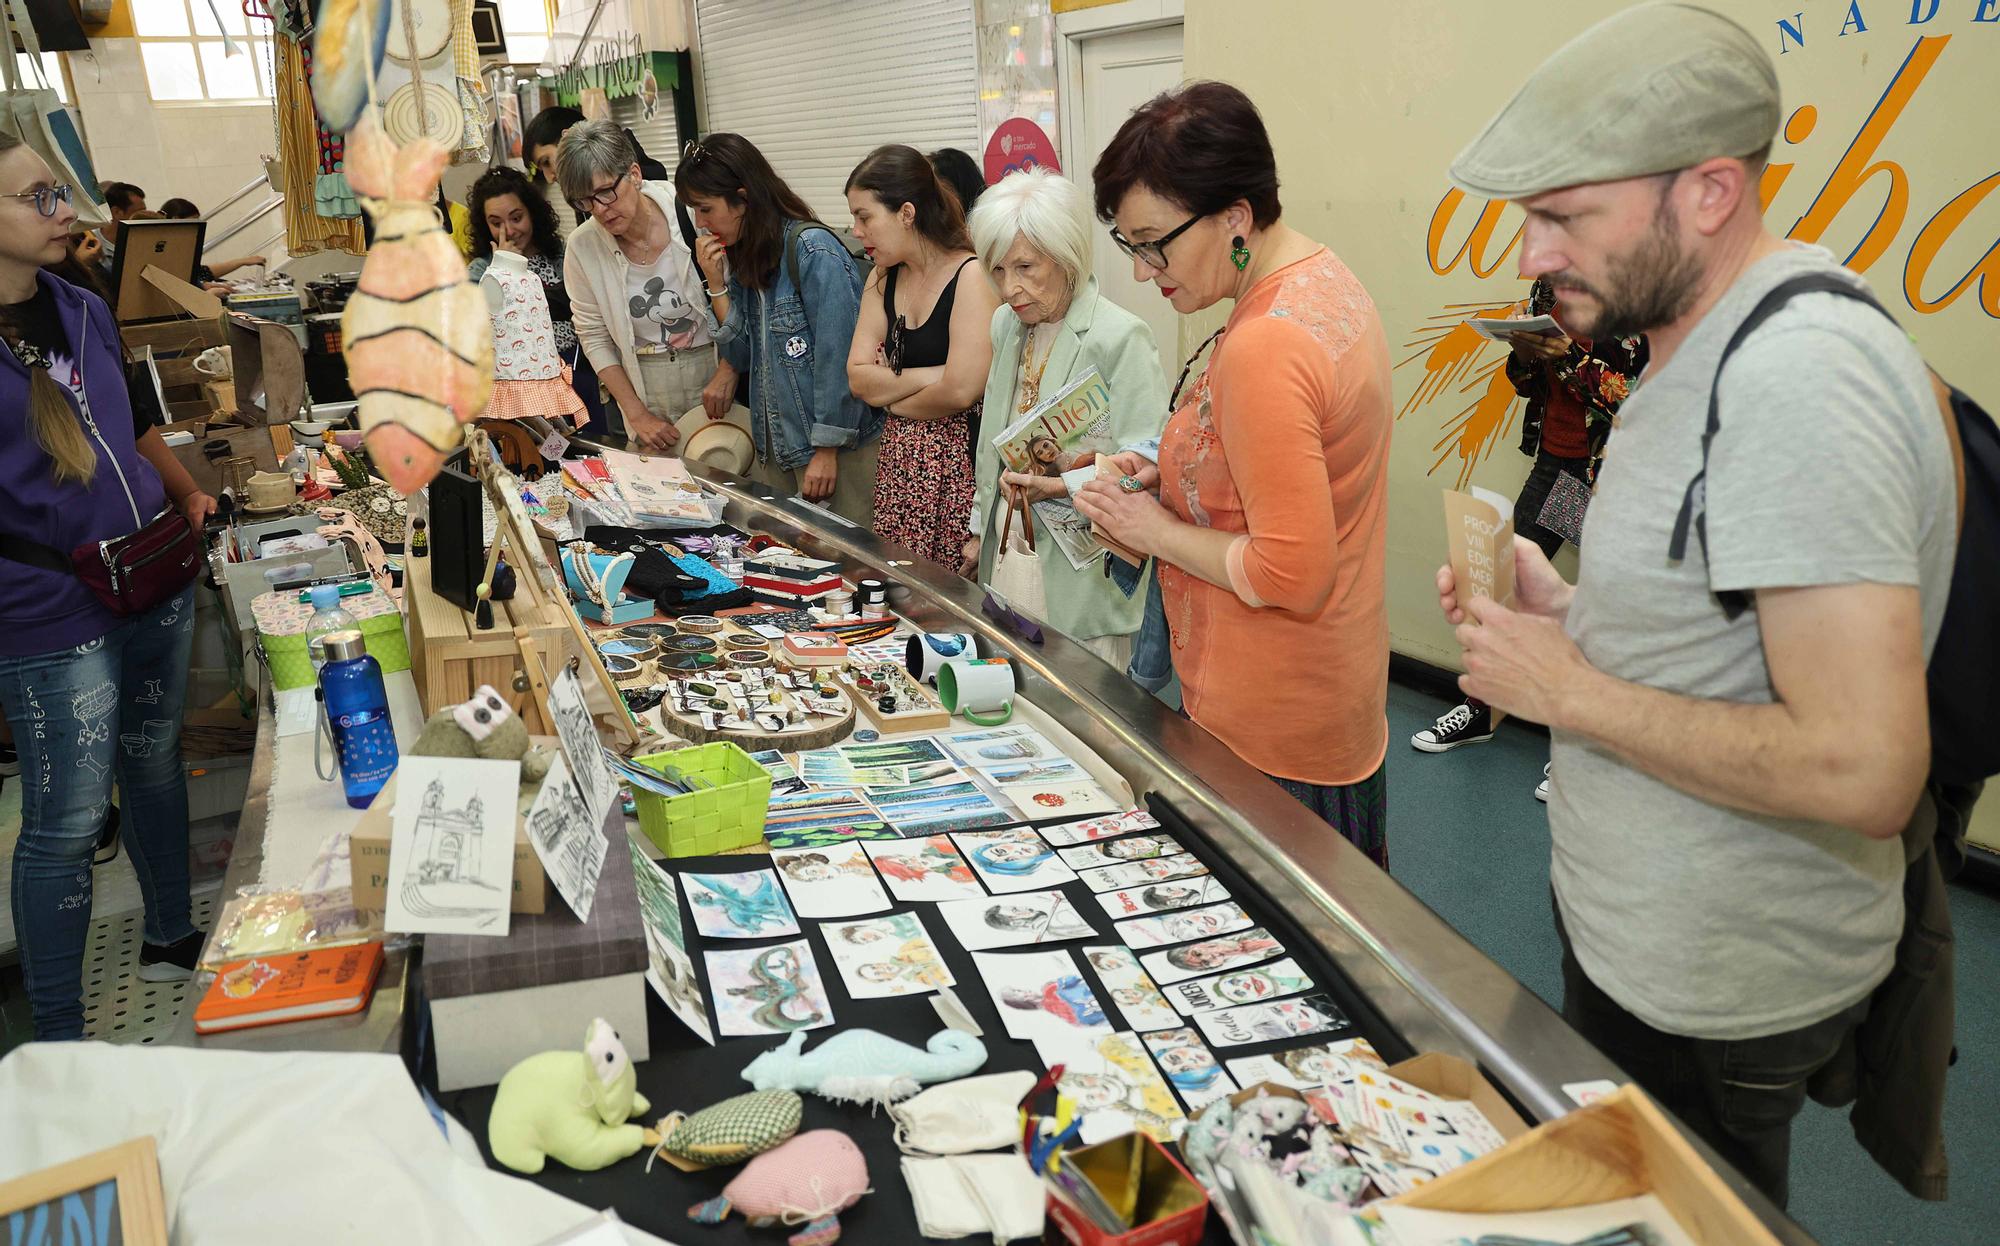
x=1072 y=29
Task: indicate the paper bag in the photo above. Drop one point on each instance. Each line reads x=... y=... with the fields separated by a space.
x=1479 y=525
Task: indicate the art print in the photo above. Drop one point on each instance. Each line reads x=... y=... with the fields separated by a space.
x=1083 y=831
x=816 y=819
x=1128 y=874
x=930 y=868
x=1279 y=1019
x=1253 y=984
x=785 y=780
x=578 y=733
x=1191 y=1068
x=1014 y=920
x=882 y=957
x=1113 y=1084
x=1009 y=744
x=1194 y=960
x=829 y=768
x=892 y=754
x=1137 y=999
x=934 y=810
x=739 y=906
x=1046 y=770
x=571 y=846
x=836 y=881
x=767 y=990
x=1015 y=860
x=1119 y=851
x=929 y=774
x=451 y=854
x=1040 y=993
x=668 y=967
x=1303 y=1068
x=1161 y=897
x=1059 y=800
x=1185 y=926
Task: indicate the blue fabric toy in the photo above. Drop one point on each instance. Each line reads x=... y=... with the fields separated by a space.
x=863 y=1066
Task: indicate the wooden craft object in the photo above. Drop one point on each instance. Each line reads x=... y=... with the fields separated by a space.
x=67 y=1194
x=926 y=714
x=815 y=732
x=449 y=657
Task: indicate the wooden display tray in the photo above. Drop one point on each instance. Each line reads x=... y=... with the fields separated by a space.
x=933 y=717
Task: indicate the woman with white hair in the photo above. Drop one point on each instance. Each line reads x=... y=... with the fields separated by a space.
x=1032 y=234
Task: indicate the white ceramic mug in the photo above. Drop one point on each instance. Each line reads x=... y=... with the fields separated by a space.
x=927 y=652
x=215 y=361
x=981 y=689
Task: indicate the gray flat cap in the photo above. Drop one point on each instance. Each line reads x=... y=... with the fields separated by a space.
x=1649 y=90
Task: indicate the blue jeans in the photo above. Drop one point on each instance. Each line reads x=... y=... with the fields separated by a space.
x=1152 y=664
x=110 y=708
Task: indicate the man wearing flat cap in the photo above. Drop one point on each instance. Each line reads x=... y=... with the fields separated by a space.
x=1735 y=685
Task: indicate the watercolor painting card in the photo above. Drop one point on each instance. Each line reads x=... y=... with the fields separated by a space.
x=1085 y=830
x=1191 y=1068
x=1040 y=993
x=1137 y=999
x=830 y=882
x=1195 y=960
x=668 y=967
x=831 y=768
x=1119 y=851
x=816 y=819
x=892 y=754
x=1014 y=921
x=1046 y=770
x=739 y=906
x=767 y=990
x=935 y=810
x=1142 y=873
x=1251 y=985
x=1015 y=860
x=1114 y=1085
x=1161 y=897
x=1185 y=926
x=1303 y=1068
x=883 y=957
x=1059 y=800
x=1005 y=744
x=785 y=781
x=930 y=868
x=451 y=846
x=928 y=774
x=1261 y=1023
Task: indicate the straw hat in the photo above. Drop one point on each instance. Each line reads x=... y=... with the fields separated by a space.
x=723 y=443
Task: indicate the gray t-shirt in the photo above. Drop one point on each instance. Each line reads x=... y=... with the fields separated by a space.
x=1831 y=467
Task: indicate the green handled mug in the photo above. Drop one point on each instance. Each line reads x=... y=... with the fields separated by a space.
x=980 y=689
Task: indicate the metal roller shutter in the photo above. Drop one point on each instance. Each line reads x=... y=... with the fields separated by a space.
x=818 y=84
x=656 y=134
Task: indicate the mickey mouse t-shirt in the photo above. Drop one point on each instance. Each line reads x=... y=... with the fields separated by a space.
x=664 y=299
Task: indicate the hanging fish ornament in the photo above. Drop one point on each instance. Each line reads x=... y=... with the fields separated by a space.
x=416 y=333
x=349 y=37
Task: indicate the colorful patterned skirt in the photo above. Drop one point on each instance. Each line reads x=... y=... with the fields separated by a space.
x=924 y=486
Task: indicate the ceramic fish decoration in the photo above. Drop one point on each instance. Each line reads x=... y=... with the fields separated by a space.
x=348 y=40
x=416 y=333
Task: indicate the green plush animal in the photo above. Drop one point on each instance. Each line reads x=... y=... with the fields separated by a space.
x=571 y=1106
x=484 y=727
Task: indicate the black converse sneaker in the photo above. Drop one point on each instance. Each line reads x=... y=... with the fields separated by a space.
x=107 y=838
x=170 y=962
x=1461 y=724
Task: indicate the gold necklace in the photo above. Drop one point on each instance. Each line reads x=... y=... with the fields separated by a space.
x=1031 y=373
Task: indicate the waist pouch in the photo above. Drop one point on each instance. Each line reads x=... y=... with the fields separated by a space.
x=130 y=574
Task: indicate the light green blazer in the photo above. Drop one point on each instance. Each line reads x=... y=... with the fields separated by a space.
x=1096 y=333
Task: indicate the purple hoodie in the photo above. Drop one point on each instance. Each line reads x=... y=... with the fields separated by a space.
x=42 y=611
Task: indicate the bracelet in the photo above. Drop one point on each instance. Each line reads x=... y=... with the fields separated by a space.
x=716 y=294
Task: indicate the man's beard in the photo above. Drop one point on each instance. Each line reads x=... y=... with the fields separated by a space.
x=1648 y=288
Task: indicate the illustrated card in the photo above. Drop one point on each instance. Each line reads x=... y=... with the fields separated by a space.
x=739 y=906
x=892 y=754
x=1083 y=831
x=831 y=768
x=1040 y=993
x=1014 y=920
x=1191 y=1068
x=668 y=967
x=1013 y=860
x=1302 y=1068
x=1138 y=1000
x=882 y=957
x=835 y=881
x=816 y=819
x=569 y=845
x=1161 y=897
x=929 y=774
x=1059 y=800
x=1002 y=744
x=1118 y=851
x=1141 y=873
x=1195 y=960
x=451 y=846
x=930 y=868
x=1049 y=770
x=1278 y=1019
x=578 y=734
x=1115 y=1087
x=785 y=780
x=1185 y=925
x=1251 y=985
x=937 y=809
x=767 y=990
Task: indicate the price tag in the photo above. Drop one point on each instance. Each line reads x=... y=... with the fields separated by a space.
x=553 y=445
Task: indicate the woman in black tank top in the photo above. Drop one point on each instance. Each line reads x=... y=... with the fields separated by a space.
x=922 y=348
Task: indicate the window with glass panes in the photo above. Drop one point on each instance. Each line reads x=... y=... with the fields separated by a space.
x=181 y=44
x=525 y=23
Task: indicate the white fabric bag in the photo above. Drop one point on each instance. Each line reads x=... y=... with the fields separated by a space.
x=37 y=117
x=1017 y=568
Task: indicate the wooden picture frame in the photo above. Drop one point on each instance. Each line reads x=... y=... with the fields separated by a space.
x=174 y=247
x=133 y=1212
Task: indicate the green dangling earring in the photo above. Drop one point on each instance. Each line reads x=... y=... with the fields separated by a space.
x=1239 y=255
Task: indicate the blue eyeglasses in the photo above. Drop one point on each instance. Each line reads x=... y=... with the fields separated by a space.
x=46 y=197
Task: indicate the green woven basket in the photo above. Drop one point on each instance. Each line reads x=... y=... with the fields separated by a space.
x=291 y=666
x=727 y=814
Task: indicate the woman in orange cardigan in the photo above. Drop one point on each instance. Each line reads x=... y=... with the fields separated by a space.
x=1270 y=519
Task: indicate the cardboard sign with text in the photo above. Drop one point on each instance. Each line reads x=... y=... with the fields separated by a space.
x=1479 y=524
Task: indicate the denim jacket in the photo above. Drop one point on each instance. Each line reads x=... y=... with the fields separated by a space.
x=792 y=344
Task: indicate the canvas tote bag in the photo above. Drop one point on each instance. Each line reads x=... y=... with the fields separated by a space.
x=1017 y=568
x=36 y=116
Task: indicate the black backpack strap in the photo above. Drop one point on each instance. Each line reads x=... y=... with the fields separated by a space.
x=792 y=233
x=1694 y=504
x=687 y=227
x=35 y=554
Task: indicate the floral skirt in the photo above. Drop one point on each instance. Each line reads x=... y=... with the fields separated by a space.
x=924 y=486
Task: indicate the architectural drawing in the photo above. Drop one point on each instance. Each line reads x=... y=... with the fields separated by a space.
x=451 y=856
x=570 y=845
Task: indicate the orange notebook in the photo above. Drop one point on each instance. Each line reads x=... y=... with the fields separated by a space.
x=265 y=990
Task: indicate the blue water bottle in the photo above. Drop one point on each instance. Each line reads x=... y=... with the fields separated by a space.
x=357 y=710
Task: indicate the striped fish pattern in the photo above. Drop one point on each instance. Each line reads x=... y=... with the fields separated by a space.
x=417 y=335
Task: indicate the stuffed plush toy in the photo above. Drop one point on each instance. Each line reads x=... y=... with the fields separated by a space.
x=808 y=1181
x=862 y=1066
x=484 y=727
x=571 y=1106
x=731 y=1131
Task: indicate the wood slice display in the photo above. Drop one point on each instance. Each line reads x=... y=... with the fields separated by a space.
x=814 y=732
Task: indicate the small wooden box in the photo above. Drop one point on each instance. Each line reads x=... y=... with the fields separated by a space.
x=1619 y=1147
x=368 y=853
x=449 y=657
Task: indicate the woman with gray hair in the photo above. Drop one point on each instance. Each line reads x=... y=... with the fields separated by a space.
x=641 y=311
x=1032 y=234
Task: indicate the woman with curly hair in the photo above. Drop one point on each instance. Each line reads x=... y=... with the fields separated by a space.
x=510 y=214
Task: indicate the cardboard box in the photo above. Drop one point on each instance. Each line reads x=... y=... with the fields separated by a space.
x=368 y=855
x=1449 y=1077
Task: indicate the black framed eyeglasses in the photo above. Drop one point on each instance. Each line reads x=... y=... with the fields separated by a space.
x=46 y=197
x=602 y=197
x=1154 y=253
